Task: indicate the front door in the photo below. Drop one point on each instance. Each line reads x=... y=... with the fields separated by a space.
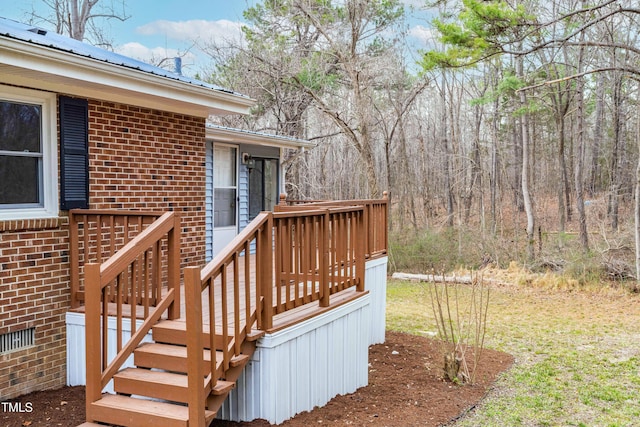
x=225 y=195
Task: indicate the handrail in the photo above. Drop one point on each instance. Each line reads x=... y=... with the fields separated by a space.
x=132 y=277
x=95 y=235
x=228 y=323
x=375 y=218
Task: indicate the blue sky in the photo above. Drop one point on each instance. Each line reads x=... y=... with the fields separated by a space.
x=160 y=29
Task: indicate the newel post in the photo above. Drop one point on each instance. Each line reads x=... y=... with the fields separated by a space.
x=265 y=261
x=325 y=275
x=195 y=373
x=93 y=342
x=173 y=244
x=385 y=225
x=360 y=248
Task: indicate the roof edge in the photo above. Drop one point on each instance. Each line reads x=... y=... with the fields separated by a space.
x=228 y=134
x=104 y=77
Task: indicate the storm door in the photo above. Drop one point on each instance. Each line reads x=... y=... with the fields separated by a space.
x=225 y=195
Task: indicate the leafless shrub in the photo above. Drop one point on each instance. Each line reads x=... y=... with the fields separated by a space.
x=461 y=322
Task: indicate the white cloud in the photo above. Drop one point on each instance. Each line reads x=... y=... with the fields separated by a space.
x=423 y=34
x=153 y=55
x=193 y=30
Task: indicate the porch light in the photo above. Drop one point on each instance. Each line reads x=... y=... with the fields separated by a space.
x=248 y=161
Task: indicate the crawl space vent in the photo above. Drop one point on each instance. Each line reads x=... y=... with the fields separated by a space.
x=17 y=340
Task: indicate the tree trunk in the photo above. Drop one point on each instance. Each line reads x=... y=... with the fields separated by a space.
x=526 y=191
x=598 y=134
x=562 y=164
x=444 y=132
x=579 y=184
x=637 y=201
x=615 y=154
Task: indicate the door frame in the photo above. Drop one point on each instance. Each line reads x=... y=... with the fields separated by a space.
x=226 y=233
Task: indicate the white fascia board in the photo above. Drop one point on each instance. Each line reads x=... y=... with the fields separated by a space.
x=62 y=72
x=230 y=135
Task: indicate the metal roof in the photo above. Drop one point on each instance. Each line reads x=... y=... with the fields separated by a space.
x=38 y=36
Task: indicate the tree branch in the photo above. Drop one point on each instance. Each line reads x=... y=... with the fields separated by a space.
x=631 y=71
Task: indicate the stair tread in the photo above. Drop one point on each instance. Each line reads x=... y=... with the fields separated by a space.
x=255 y=335
x=170 y=357
x=158 y=377
x=178 y=325
x=181 y=326
x=170 y=350
x=238 y=360
x=222 y=387
x=113 y=408
x=175 y=332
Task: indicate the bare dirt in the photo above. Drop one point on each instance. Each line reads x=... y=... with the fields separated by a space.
x=406 y=388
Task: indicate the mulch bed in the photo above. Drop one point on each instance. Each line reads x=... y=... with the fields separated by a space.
x=406 y=388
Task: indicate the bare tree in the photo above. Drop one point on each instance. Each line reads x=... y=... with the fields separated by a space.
x=80 y=19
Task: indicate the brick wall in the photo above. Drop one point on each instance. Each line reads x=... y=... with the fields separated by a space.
x=34 y=276
x=139 y=159
x=150 y=160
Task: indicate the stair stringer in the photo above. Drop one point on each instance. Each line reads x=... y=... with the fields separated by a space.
x=215 y=401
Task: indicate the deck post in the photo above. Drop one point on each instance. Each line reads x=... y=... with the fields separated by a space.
x=193 y=307
x=93 y=293
x=360 y=249
x=173 y=266
x=326 y=260
x=264 y=257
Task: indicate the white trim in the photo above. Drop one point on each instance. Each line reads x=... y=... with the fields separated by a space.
x=218 y=232
x=316 y=322
x=377 y=262
x=49 y=153
x=239 y=136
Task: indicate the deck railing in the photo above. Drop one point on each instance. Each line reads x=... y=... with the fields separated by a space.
x=280 y=261
x=298 y=256
x=128 y=287
x=376 y=213
x=95 y=235
x=235 y=293
x=318 y=252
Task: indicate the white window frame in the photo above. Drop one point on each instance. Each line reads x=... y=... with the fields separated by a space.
x=49 y=129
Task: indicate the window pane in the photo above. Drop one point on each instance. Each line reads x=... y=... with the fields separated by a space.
x=224 y=207
x=19 y=178
x=224 y=166
x=270 y=184
x=256 y=192
x=20 y=127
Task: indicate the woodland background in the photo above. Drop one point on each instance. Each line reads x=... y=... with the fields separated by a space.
x=511 y=136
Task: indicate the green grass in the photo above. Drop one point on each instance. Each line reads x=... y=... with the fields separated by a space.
x=577 y=354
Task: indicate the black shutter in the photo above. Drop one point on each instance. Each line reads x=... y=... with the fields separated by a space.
x=74 y=153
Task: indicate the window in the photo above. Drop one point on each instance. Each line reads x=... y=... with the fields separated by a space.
x=28 y=154
x=225 y=189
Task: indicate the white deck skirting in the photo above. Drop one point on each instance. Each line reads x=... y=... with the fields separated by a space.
x=292 y=370
x=76 y=351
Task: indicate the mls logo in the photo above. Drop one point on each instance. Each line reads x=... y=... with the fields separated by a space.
x=17 y=407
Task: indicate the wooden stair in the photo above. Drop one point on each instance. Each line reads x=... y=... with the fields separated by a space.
x=154 y=393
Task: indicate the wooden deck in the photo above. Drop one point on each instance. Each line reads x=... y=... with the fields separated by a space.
x=280 y=321
x=284 y=268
